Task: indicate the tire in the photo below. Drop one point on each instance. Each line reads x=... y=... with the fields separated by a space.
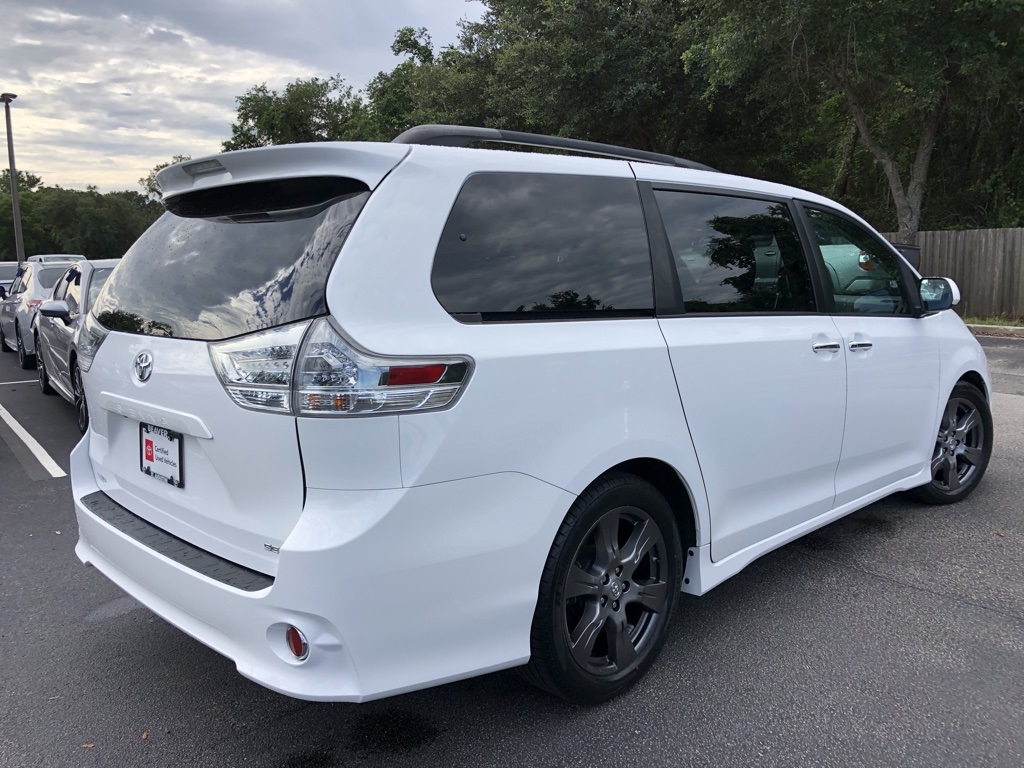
x=44 y=377
x=962 y=448
x=609 y=587
x=25 y=360
x=3 y=341
x=81 y=406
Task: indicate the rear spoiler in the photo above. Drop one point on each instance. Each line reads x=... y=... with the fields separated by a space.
x=367 y=163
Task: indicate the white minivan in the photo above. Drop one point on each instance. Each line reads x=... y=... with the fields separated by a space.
x=367 y=418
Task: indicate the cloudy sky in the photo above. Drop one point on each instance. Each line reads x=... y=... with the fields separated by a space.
x=109 y=88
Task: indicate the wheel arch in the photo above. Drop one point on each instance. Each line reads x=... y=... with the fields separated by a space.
x=672 y=486
x=975 y=378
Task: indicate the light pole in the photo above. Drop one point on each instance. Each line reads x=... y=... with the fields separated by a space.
x=19 y=244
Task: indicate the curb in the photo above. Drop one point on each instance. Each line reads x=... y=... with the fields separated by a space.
x=1006 y=331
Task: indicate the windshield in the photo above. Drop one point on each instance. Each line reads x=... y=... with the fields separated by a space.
x=46 y=278
x=99 y=277
x=214 y=278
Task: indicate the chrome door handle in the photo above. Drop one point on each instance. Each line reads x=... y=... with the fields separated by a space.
x=856 y=346
x=826 y=346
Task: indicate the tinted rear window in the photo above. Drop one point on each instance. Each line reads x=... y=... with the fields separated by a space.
x=47 y=278
x=537 y=245
x=99 y=277
x=211 y=279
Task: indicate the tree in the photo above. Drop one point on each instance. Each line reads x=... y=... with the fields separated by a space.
x=901 y=69
x=56 y=220
x=815 y=94
x=26 y=181
x=148 y=182
x=307 y=110
x=604 y=70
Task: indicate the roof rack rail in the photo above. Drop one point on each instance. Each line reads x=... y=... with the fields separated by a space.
x=463 y=135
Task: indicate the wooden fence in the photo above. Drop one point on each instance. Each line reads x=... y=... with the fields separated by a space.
x=987 y=265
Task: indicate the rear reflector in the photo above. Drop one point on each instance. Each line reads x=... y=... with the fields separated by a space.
x=415 y=374
x=297 y=643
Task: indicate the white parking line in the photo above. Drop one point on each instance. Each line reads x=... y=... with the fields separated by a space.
x=27 y=381
x=37 y=450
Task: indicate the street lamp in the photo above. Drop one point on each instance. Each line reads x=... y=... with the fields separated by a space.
x=19 y=244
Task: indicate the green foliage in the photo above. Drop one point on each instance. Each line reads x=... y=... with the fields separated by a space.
x=909 y=111
x=308 y=110
x=905 y=70
x=148 y=182
x=56 y=220
x=26 y=181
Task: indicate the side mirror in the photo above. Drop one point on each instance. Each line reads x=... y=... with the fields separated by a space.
x=57 y=309
x=938 y=293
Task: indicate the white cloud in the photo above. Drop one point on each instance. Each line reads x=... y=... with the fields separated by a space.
x=109 y=88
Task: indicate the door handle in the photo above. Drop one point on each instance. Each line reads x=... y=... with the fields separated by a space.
x=856 y=346
x=826 y=346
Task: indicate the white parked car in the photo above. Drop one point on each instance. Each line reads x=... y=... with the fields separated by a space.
x=371 y=417
x=33 y=284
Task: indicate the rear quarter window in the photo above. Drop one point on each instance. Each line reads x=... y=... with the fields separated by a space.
x=521 y=246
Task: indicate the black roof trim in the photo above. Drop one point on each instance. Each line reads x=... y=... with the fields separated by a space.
x=462 y=135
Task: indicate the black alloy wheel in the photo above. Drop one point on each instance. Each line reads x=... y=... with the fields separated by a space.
x=25 y=360
x=81 y=406
x=607 y=593
x=962 y=448
x=44 y=377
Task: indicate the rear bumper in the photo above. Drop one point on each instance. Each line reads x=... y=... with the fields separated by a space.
x=395 y=590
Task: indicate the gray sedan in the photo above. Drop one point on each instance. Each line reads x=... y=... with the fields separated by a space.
x=56 y=330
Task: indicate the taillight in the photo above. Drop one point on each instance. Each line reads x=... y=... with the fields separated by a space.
x=331 y=377
x=33 y=303
x=335 y=378
x=89 y=340
x=256 y=370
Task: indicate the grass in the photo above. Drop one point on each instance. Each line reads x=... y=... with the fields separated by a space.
x=1010 y=320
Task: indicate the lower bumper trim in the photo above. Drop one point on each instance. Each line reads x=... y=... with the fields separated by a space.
x=173 y=548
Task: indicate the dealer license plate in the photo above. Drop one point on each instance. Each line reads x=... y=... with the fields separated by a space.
x=161 y=454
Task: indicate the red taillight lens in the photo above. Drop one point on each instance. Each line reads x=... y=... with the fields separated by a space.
x=415 y=374
x=33 y=303
x=297 y=643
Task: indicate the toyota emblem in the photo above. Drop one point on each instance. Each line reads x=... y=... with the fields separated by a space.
x=143 y=366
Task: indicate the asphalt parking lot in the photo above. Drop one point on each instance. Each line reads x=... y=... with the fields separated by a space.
x=893 y=637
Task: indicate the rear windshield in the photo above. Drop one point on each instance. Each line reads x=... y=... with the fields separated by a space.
x=47 y=278
x=214 y=278
x=99 y=277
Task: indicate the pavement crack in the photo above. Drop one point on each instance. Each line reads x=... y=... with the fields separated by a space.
x=916 y=587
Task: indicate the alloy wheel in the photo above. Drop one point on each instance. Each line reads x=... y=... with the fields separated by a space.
x=616 y=591
x=81 y=406
x=25 y=360
x=41 y=374
x=959 y=447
